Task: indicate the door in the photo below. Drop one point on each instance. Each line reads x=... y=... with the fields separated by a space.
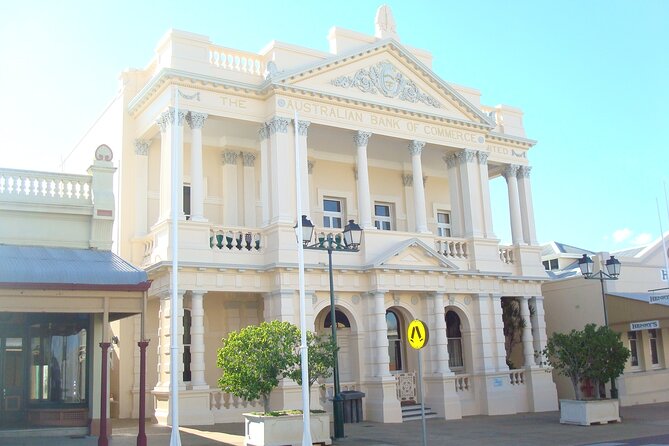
x=11 y=380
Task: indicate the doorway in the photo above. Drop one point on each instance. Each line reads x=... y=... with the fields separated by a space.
x=12 y=376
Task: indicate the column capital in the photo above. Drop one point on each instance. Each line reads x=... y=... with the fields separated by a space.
x=407 y=180
x=196 y=120
x=162 y=121
x=524 y=171
x=466 y=155
x=451 y=159
x=361 y=138
x=302 y=127
x=180 y=117
x=482 y=157
x=198 y=292
x=263 y=132
x=230 y=157
x=248 y=159
x=278 y=124
x=142 y=147
x=510 y=171
x=416 y=147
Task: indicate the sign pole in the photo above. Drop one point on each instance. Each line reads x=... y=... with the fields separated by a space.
x=418 y=336
x=420 y=395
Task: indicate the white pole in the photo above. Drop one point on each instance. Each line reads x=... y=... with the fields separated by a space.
x=664 y=244
x=304 y=351
x=175 y=439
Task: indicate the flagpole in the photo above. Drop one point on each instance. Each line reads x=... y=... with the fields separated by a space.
x=175 y=439
x=304 y=349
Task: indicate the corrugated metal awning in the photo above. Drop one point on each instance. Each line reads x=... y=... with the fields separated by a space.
x=67 y=268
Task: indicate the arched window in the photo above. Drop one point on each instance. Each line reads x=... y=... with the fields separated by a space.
x=186 y=343
x=394 y=340
x=342 y=320
x=454 y=336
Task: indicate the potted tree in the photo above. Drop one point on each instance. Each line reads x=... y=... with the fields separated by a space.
x=596 y=354
x=253 y=361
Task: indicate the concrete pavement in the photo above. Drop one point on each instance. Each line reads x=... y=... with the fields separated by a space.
x=508 y=430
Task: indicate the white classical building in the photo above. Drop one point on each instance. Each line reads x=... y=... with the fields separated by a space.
x=384 y=141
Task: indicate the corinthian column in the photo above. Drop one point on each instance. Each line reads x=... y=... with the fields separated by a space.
x=196 y=121
x=514 y=203
x=485 y=194
x=168 y=138
x=263 y=135
x=526 y=208
x=364 y=201
x=142 y=186
x=415 y=149
x=302 y=127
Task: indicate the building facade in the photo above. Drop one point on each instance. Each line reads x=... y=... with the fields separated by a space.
x=383 y=141
x=636 y=306
x=60 y=286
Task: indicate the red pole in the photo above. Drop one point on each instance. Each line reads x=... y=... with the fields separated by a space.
x=141 y=436
x=103 y=439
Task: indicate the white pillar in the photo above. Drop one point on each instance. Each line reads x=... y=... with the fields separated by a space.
x=196 y=121
x=487 y=347
x=302 y=127
x=165 y=122
x=280 y=305
x=485 y=194
x=528 y=347
x=514 y=203
x=141 y=186
x=197 y=365
x=471 y=195
x=378 y=355
x=455 y=192
x=249 y=203
x=539 y=335
x=364 y=199
x=415 y=149
x=282 y=166
x=230 y=202
x=409 y=203
x=263 y=135
x=500 y=341
x=163 y=342
x=526 y=207
x=438 y=338
x=179 y=314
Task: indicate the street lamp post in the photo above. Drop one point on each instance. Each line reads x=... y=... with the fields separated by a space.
x=348 y=241
x=586 y=264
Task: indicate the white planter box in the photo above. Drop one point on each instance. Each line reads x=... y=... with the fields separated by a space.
x=588 y=412
x=284 y=430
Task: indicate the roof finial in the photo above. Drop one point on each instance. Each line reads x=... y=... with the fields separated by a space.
x=384 y=23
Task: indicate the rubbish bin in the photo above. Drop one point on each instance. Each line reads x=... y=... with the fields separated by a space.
x=352 y=406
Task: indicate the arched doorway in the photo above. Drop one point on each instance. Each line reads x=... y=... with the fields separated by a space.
x=454 y=335
x=395 y=328
x=345 y=340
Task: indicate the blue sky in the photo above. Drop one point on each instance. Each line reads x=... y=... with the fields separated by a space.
x=591 y=77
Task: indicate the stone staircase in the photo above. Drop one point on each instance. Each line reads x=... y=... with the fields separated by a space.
x=411 y=412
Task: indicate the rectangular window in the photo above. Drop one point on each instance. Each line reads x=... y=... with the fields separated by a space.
x=546 y=265
x=634 y=358
x=333 y=213
x=383 y=216
x=652 y=336
x=554 y=264
x=443 y=224
x=186 y=201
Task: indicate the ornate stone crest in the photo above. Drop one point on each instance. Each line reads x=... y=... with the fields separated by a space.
x=384 y=78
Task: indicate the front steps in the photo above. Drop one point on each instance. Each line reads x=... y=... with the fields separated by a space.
x=412 y=412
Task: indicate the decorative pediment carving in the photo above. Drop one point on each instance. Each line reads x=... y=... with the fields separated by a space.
x=386 y=79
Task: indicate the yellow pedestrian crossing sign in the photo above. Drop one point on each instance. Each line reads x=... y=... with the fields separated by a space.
x=417 y=334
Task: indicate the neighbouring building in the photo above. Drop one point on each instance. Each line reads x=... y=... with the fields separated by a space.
x=571 y=302
x=60 y=286
x=383 y=141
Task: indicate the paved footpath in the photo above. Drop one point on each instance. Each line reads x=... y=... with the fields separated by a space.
x=646 y=425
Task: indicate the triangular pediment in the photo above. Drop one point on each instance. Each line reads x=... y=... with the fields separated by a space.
x=413 y=254
x=385 y=74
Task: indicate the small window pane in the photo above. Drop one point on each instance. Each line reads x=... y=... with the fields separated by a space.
x=634 y=358
x=382 y=210
x=332 y=205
